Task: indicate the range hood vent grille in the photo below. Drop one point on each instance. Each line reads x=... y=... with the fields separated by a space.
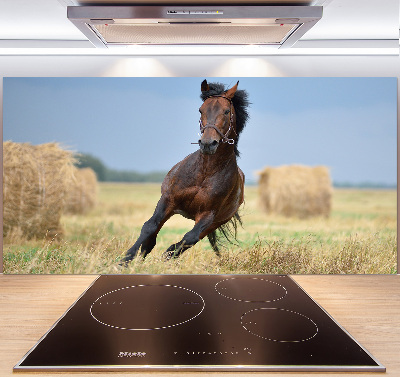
x=110 y=26
x=200 y=33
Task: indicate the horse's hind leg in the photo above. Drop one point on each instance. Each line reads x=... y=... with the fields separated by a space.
x=148 y=234
x=200 y=230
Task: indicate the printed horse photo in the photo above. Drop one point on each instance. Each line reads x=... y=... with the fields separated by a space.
x=208 y=185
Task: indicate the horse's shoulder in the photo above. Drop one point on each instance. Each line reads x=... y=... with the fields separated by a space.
x=182 y=168
x=241 y=174
x=186 y=164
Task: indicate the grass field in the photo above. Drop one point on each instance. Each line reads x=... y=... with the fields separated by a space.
x=360 y=236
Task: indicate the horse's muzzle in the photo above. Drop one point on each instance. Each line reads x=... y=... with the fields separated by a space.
x=208 y=147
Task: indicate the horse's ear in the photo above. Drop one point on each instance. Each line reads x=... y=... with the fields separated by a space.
x=231 y=92
x=204 y=86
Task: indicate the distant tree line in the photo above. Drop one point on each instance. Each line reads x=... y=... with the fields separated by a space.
x=105 y=174
x=362 y=185
x=365 y=185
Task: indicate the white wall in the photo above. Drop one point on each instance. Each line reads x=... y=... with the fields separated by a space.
x=206 y=66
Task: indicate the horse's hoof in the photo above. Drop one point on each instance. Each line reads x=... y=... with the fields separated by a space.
x=122 y=265
x=124 y=262
x=168 y=255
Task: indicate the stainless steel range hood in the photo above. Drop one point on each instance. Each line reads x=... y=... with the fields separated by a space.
x=275 y=26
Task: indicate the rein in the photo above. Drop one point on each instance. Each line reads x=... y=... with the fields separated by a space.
x=225 y=138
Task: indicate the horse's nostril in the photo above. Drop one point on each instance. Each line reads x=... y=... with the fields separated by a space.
x=214 y=143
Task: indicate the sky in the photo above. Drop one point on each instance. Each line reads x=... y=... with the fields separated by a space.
x=148 y=124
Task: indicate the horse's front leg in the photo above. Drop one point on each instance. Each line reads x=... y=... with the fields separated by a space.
x=148 y=234
x=202 y=227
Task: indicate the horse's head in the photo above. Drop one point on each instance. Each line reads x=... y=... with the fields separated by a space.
x=217 y=120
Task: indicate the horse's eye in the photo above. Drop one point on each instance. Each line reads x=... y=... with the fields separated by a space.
x=227 y=112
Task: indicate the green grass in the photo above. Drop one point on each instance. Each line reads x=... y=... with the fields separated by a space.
x=358 y=237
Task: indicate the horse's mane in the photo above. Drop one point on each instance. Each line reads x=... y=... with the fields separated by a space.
x=240 y=103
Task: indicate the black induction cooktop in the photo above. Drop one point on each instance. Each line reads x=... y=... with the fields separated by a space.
x=197 y=322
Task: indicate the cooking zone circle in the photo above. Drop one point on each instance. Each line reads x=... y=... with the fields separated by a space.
x=147 y=307
x=251 y=290
x=279 y=325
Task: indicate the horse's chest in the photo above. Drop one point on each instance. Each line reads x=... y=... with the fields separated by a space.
x=195 y=187
x=203 y=197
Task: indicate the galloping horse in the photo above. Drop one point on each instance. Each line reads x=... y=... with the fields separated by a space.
x=207 y=186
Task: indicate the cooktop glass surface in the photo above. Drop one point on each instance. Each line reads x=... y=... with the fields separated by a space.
x=197 y=322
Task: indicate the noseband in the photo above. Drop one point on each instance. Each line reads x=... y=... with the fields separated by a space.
x=224 y=137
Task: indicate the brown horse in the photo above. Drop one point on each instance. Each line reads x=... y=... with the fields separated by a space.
x=207 y=186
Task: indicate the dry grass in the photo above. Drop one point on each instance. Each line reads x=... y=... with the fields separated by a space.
x=302 y=257
x=359 y=237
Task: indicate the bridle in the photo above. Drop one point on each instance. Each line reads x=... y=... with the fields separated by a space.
x=224 y=137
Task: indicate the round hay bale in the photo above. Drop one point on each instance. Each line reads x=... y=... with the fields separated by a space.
x=296 y=191
x=82 y=193
x=35 y=180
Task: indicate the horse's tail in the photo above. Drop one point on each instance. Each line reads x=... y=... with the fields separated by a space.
x=227 y=231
